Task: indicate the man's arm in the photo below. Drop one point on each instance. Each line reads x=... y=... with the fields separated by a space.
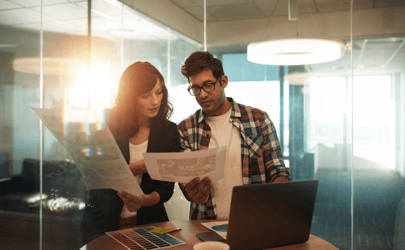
x=195 y=190
x=275 y=168
x=184 y=144
x=281 y=179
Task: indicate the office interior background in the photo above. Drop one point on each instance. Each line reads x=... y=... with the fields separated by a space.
x=341 y=122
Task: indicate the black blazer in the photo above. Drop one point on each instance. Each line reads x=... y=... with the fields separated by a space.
x=104 y=207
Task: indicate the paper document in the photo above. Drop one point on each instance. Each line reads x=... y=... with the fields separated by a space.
x=220 y=227
x=183 y=167
x=94 y=151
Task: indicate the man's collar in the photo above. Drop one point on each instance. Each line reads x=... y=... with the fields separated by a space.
x=235 y=111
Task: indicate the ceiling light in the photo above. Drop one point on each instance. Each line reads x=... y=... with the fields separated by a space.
x=124 y=33
x=299 y=51
x=8 y=45
x=50 y=66
x=115 y=3
x=293 y=10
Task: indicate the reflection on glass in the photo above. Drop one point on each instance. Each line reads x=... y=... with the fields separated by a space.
x=331 y=131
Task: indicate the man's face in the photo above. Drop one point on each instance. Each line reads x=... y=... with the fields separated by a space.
x=212 y=103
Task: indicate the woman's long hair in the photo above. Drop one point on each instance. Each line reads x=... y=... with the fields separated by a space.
x=137 y=79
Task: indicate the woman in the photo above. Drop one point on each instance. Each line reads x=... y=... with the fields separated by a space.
x=139 y=123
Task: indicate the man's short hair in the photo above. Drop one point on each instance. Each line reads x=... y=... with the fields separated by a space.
x=199 y=61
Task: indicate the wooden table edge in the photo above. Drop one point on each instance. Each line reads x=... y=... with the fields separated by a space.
x=189 y=228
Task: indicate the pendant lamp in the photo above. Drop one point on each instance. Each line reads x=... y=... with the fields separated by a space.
x=298 y=51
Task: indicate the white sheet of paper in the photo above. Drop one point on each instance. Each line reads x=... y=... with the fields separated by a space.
x=212 y=225
x=184 y=166
x=94 y=151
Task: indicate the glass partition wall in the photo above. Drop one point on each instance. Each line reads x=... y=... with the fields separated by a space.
x=340 y=122
x=66 y=56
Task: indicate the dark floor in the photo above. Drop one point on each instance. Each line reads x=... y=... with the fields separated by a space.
x=376 y=198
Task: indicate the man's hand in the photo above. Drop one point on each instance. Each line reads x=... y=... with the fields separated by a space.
x=198 y=191
x=138 y=167
x=281 y=179
x=134 y=203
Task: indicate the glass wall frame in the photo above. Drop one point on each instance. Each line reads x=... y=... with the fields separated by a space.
x=65 y=57
x=340 y=122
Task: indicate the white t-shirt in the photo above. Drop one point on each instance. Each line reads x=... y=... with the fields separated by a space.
x=224 y=133
x=135 y=154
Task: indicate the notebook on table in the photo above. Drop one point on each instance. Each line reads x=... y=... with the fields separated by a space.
x=269 y=215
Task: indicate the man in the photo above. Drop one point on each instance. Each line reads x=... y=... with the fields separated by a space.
x=253 y=150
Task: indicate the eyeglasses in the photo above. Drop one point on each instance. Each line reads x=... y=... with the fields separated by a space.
x=208 y=87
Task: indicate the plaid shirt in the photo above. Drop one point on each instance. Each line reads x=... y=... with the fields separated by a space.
x=260 y=150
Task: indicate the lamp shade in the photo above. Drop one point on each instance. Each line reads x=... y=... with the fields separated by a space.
x=299 y=51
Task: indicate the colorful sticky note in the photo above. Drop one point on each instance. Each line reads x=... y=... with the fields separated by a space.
x=160 y=230
x=172 y=229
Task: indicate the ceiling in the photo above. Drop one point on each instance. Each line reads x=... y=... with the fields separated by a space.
x=227 y=10
x=70 y=17
x=379 y=37
x=379 y=25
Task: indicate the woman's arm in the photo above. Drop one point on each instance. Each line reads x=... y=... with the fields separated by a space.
x=160 y=191
x=138 y=167
x=165 y=189
x=134 y=203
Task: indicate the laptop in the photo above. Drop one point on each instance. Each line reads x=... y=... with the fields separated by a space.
x=269 y=215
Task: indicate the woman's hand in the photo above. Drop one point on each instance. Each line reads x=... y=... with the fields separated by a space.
x=133 y=203
x=138 y=167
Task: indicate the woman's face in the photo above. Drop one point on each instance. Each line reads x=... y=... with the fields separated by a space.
x=148 y=104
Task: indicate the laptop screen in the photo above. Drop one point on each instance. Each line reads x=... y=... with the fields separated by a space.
x=269 y=215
